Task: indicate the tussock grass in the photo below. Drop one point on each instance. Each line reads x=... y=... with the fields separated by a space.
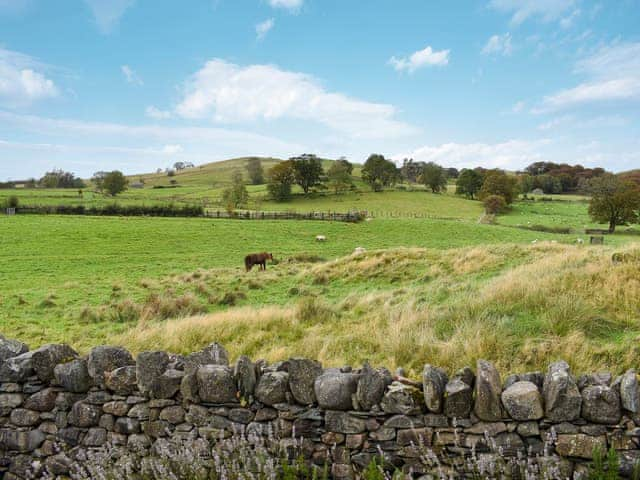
x=519 y=306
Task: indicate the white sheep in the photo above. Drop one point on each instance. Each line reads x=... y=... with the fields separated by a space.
x=321 y=238
x=359 y=251
x=580 y=241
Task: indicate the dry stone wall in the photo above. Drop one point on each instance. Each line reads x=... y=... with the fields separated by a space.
x=55 y=403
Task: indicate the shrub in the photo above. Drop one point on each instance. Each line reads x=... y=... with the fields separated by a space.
x=12 y=202
x=494 y=204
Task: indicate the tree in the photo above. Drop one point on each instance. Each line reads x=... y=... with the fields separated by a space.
x=434 y=177
x=347 y=164
x=452 y=172
x=469 y=183
x=307 y=170
x=60 y=179
x=280 y=178
x=255 y=171
x=339 y=176
x=114 y=183
x=236 y=195
x=494 y=204
x=379 y=172
x=613 y=200
x=497 y=182
x=98 y=180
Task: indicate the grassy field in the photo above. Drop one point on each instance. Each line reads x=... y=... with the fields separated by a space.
x=437 y=285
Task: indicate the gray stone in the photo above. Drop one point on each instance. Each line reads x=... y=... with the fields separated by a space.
x=629 y=394
x=590 y=380
x=241 y=415
x=246 y=379
x=402 y=399
x=458 y=400
x=138 y=441
x=523 y=401
x=73 y=376
x=198 y=415
x=466 y=375
x=43 y=401
x=149 y=367
x=371 y=386
x=140 y=411
x=127 y=425
x=95 y=437
x=342 y=422
x=488 y=390
x=272 y=388
x=59 y=464
x=106 y=359
x=216 y=384
x=84 y=415
x=118 y=408
x=580 y=445
x=17 y=369
x=562 y=398
x=9 y=401
x=22 y=441
x=122 y=380
x=334 y=390
x=601 y=404
x=404 y=421
x=415 y=436
x=214 y=354
x=434 y=382
x=173 y=415
x=48 y=356
x=302 y=376
x=21 y=417
x=167 y=384
x=11 y=348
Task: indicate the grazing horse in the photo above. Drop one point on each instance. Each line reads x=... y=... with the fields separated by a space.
x=257 y=259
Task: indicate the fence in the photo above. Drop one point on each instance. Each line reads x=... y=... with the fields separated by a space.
x=596 y=231
x=255 y=215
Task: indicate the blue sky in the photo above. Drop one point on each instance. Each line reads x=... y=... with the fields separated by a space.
x=88 y=85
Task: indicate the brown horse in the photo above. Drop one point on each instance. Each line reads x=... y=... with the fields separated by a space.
x=257 y=259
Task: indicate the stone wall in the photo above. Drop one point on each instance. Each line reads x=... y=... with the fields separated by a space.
x=55 y=403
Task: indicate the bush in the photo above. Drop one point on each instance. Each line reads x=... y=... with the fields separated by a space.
x=12 y=202
x=494 y=204
x=115 y=209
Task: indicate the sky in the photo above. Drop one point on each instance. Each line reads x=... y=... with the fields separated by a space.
x=136 y=85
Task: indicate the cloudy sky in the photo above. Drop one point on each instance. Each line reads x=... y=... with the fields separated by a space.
x=89 y=85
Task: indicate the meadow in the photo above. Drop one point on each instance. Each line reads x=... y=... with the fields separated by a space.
x=436 y=282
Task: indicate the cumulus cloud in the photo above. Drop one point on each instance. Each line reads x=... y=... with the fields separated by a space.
x=157 y=114
x=230 y=93
x=613 y=74
x=22 y=80
x=131 y=76
x=499 y=45
x=263 y=28
x=426 y=57
x=521 y=10
x=293 y=5
x=107 y=13
x=510 y=154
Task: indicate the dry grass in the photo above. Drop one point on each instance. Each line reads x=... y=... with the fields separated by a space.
x=519 y=306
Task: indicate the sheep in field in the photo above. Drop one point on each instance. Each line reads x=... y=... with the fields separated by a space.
x=321 y=238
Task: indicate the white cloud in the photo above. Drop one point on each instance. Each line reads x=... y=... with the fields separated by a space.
x=293 y=5
x=568 y=21
x=230 y=93
x=422 y=58
x=263 y=28
x=13 y=6
x=518 y=107
x=172 y=149
x=131 y=76
x=521 y=10
x=22 y=81
x=156 y=113
x=512 y=154
x=614 y=75
x=107 y=13
x=498 y=44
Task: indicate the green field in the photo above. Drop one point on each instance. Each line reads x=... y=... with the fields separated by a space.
x=437 y=281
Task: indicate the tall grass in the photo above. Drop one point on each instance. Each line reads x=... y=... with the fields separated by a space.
x=519 y=306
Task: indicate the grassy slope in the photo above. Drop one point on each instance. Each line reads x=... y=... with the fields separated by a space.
x=79 y=260
x=519 y=306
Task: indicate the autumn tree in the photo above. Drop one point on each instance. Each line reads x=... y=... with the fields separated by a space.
x=613 y=200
